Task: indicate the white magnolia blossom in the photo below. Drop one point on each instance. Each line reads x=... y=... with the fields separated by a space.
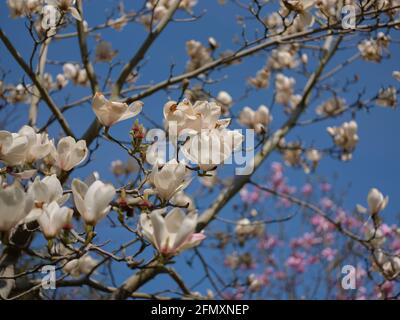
x=38 y=144
x=283 y=57
x=302 y=8
x=261 y=80
x=245 y=229
x=211 y=148
x=110 y=112
x=313 y=155
x=255 y=283
x=74 y=73
x=18 y=94
x=169 y=179
x=43 y=192
x=92 y=202
x=376 y=201
x=173 y=233
x=372 y=49
x=292 y=154
x=12 y=205
x=61 y=81
x=82 y=266
x=65 y=6
x=53 y=219
x=284 y=88
x=225 y=100
x=194 y=118
x=20 y=8
x=345 y=137
x=257 y=120
x=331 y=107
x=12 y=148
x=199 y=55
x=181 y=199
x=387 y=97
x=388 y=265
x=68 y=154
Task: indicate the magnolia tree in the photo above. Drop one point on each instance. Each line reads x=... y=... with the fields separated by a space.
x=205 y=152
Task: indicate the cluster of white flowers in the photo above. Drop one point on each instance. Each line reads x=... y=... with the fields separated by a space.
x=387 y=97
x=283 y=57
x=224 y=99
x=17 y=93
x=261 y=80
x=199 y=55
x=345 y=137
x=284 y=87
x=74 y=73
x=331 y=107
x=246 y=229
x=43 y=202
x=159 y=8
x=210 y=143
x=258 y=120
x=372 y=49
x=19 y=8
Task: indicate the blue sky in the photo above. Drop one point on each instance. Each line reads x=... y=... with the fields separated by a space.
x=375 y=162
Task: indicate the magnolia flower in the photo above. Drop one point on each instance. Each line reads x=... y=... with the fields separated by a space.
x=181 y=199
x=66 y=6
x=82 y=266
x=41 y=193
x=111 y=112
x=372 y=49
x=75 y=73
x=225 y=99
x=53 y=219
x=12 y=148
x=284 y=88
x=376 y=201
x=283 y=57
x=199 y=55
x=387 y=97
x=92 y=201
x=331 y=107
x=69 y=153
x=211 y=148
x=345 y=137
x=12 y=205
x=302 y=8
x=261 y=80
x=245 y=229
x=194 y=118
x=38 y=145
x=257 y=120
x=70 y=70
x=173 y=233
x=23 y=7
x=169 y=179
x=61 y=81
